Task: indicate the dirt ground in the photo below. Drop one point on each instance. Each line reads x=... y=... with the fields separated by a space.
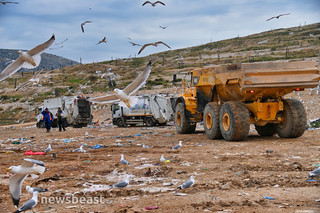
x=229 y=176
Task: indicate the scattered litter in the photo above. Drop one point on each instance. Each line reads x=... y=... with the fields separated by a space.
x=34 y=153
x=312 y=180
x=167 y=184
x=316 y=165
x=179 y=194
x=66 y=140
x=98 y=146
x=269 y=198
x=151 y=207
x=276 y=186
x=137 y=134
x=269 y=151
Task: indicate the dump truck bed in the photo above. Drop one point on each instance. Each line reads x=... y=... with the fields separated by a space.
x=281 y=74
x=247 y=81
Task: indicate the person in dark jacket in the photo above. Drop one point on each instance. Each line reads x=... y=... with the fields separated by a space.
x=47 y=118
x=60 y=117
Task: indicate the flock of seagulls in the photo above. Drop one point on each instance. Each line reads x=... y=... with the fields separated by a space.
x=32 y=166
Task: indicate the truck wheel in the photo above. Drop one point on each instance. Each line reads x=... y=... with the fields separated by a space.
x=234 y=121
x=295 y=119
x=211 y=121
x=120 y=122
x=182 y=124
x=267 y=130
x=149 y=122
x=41 y=124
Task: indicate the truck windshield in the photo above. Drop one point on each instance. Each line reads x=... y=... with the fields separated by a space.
x=115 y=107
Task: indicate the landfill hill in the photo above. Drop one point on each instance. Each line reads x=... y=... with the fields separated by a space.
x=296 y=43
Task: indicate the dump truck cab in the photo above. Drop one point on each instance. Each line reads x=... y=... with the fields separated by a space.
x=228 y=98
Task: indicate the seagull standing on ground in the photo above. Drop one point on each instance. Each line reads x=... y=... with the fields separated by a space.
x=315 y=173
x=48 y=149
x=153 y=44
x=82 y=25
x=123 y=161
x=187 y=184
x=153 y=4
x=177 y=146
x=162 y=159
x=31 y=190
x=278 y=16
x=122 y=184
x=124 y=95
x=79 y=149
x=30 y=59
x=30 y=204
x=29 y=166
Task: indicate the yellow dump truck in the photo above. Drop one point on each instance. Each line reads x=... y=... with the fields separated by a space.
x=228 y=98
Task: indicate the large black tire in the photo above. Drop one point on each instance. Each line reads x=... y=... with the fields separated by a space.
x=234 y=121
x=211 y=121
x=41 y=124
x=120 y=122
x=182 y=124
x=295 y=119
x=267 y=130
x=149 y=121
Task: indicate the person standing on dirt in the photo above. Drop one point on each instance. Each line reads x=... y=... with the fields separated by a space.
x=47 y=118
x=60 y=116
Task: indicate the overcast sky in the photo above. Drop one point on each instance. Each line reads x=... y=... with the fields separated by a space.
x=188 y=22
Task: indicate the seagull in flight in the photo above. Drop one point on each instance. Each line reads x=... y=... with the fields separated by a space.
x=134 y=44
x=30 y=59
x=35 y=79
x=82 y=24
x=8 y=2
x=278 y=16
x=124 y=95
x=29 y=166
x=153 y=4
x=104 y=40
x=153 y=44
x=162 y=27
